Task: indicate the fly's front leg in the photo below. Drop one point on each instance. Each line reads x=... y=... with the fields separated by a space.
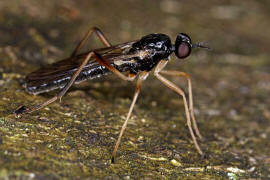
x=187 y=76
x=99 y=34
x=23 y=109
x=142 y=77
x=179 y=91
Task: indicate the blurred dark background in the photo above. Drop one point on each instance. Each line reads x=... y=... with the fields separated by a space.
x=228 y=26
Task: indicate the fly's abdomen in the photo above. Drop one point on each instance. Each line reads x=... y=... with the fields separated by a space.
x=48 y=83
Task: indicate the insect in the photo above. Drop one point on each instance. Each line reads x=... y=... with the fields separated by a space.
x=128 y=61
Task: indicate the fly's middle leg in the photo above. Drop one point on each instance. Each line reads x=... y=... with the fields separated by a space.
x=142 y=76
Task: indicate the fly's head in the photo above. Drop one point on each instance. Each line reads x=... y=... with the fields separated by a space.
x=183 y=46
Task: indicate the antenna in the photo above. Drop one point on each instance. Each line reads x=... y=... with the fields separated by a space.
x=200 y=45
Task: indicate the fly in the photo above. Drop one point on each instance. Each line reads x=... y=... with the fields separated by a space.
x=135 y=58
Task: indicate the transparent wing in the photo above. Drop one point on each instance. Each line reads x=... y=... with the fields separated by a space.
x=57 y=74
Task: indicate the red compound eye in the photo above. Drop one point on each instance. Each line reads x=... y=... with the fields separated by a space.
x=182 y=45
x=183 y=50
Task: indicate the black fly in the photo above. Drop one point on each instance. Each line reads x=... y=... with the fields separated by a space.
x=135 y=58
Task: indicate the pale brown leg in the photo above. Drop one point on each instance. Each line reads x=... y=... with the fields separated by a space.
x=187 y=76
x=142 y=77
x=179 y=91
x=99 y=34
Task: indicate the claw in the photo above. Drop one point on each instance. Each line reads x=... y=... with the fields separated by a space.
x=21 y=110
x=113 y=161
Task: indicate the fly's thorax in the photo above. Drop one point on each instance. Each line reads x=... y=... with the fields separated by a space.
x=151 y=49
x=158 y=45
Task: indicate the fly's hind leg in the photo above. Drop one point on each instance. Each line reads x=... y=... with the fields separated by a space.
x=99 y=59
x=191 y=109
x=99 y=34
x=23 y=109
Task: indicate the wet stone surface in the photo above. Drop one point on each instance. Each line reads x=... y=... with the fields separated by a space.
x=75 y=138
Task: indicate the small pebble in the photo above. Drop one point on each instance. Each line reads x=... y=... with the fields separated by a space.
x=175 y=163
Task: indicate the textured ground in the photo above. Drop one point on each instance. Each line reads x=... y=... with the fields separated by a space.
x=75 y=138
